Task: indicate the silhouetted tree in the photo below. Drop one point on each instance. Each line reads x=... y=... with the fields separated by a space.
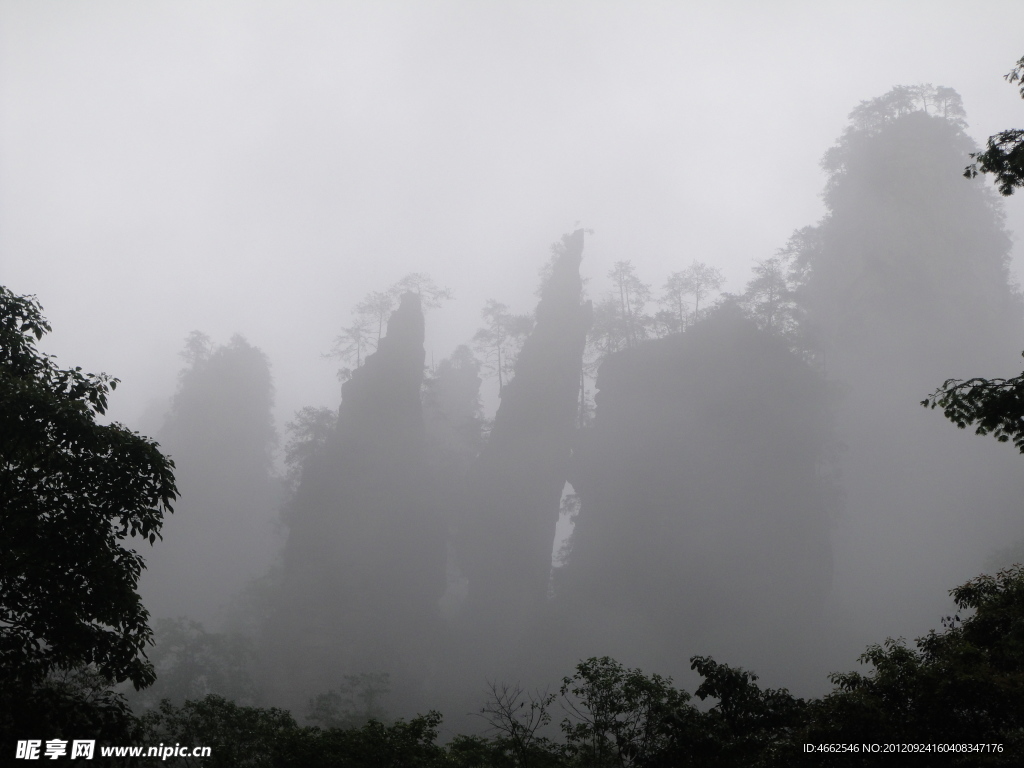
x=676 y=288
x=960 y=685
x=517 y=717
x=375 y=310
x=616 y=715
x=1004 y=154
x=995 y=405
x=368 y=320
x=607 y=333
x=769 y=297
x=351 y=347
x=500 y=340
x=632 y=295
x=198 y=348
x=430 y=294
x=619 y=322
x=746 y=726
x=955 y=698
x=697 y=280
x=73 y=492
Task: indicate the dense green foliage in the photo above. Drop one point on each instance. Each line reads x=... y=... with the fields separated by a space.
x=995 y=406
x=73 y=493
x=961 y=685
x=616 y=716
x=1004 y=154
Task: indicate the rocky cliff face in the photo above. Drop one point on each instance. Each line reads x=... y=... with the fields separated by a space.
x=908 y=285
x=512 y=499
x=364 y=565
x=704 y=522
x=220 y=433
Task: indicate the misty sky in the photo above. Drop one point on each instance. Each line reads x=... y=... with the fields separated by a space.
x=258 y=167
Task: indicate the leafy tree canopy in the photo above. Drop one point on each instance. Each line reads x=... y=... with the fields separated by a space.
x=72 y=491
x=1004 y=155
x=958 y=686
x=996 y=406
x=769 y=298
x=616 y=715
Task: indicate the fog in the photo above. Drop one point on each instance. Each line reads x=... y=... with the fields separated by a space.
x=750 y=477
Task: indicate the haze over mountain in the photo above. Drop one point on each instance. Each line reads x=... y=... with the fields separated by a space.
x=490 y=338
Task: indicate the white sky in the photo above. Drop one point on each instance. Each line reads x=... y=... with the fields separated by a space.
x=260 y=166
